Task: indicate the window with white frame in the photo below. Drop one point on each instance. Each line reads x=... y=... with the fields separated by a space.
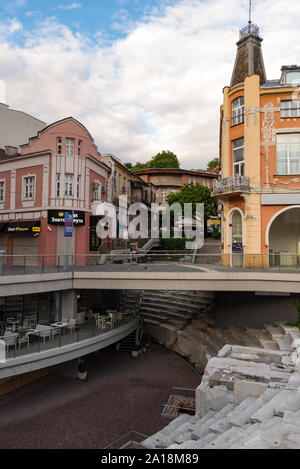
x=29 y=187
x=59 y=145
x=68 y=185
x=70 y=146
x=238 y=111
x=288 y=153
x=57 y=184
x=238 y=157
x=2 y=191
x=290 y=108
x=78 y=187
x=97 y=190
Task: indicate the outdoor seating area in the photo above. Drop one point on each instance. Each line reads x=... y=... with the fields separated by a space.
x=24 y=337
x=112 y=318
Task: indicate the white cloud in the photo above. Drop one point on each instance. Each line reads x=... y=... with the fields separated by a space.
x=72 y=6
x=158 y=88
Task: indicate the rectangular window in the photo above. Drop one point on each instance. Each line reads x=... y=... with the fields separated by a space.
x=97 y=191
x=238 y=111
x=69 y=146
x=78 y=187
x=57 y=185
x=238 y=157
x=290 y=108
x=59 y=145
x=288 y=153
x=29 y=187
x=79 y=147
x=68 y=185
x=2 y=191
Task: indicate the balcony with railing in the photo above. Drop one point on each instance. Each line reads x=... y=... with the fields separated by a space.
x=232 y=184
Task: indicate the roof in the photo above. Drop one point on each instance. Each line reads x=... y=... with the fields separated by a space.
x=192 y=172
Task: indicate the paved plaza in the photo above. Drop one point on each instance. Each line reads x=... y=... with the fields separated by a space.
x=121 y=394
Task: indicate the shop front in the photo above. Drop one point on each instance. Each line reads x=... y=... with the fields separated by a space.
x=66 y=245
x=21 y=240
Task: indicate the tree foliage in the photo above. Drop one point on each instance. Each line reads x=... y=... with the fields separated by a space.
x=164 y=159
x=213 y=163
x=194 y=193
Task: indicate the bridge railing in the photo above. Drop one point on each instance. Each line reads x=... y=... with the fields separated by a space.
x=145 y=260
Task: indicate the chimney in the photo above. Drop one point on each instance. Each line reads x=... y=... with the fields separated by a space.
x=11 y=151
x=249 y=59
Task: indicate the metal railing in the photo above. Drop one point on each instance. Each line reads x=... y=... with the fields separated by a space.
x=232 y=183
x=249 y=29
x=177 y=402
x=173 y=261
x=25 y=342
x=133 y=436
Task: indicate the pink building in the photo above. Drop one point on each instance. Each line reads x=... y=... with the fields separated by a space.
x=57 y=171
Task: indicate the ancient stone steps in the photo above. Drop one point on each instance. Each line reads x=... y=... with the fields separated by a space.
x=263 y=337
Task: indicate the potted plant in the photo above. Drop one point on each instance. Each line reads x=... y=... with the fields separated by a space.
x=82 y=371
x=135 y=351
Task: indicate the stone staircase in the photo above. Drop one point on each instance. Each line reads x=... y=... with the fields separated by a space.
x=249 y=397
x=174 y=307
x=210 y=253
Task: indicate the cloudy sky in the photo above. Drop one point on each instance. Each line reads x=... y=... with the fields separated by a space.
x=142 y=75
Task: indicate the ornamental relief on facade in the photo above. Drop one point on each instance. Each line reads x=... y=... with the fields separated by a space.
x=268 y=129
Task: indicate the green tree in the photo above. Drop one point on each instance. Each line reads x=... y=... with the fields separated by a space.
x=138 y=166
x=128 y=165
x=213 y=163
x=194 y=193
x=164 y=159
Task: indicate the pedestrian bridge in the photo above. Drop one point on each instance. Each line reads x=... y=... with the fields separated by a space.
x=157 y=278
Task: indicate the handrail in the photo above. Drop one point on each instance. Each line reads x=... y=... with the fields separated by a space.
x=126 y=436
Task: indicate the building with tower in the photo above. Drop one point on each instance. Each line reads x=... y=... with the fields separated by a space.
x=260 y=161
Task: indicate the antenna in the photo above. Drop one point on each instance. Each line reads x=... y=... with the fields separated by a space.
x=250 y=10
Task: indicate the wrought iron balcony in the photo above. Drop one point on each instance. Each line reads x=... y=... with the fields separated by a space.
x=231 y=184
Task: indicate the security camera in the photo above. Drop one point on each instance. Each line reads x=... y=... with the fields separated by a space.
x=36 y=235
x=49 y=229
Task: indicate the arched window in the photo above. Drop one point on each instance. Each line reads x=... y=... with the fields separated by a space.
x=237 y=239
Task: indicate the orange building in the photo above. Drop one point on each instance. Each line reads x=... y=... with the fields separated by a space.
x=260 y=161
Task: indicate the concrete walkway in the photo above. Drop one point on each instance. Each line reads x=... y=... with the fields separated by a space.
x=121 y=394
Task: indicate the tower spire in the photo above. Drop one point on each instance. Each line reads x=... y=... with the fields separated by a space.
x=250 y=11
